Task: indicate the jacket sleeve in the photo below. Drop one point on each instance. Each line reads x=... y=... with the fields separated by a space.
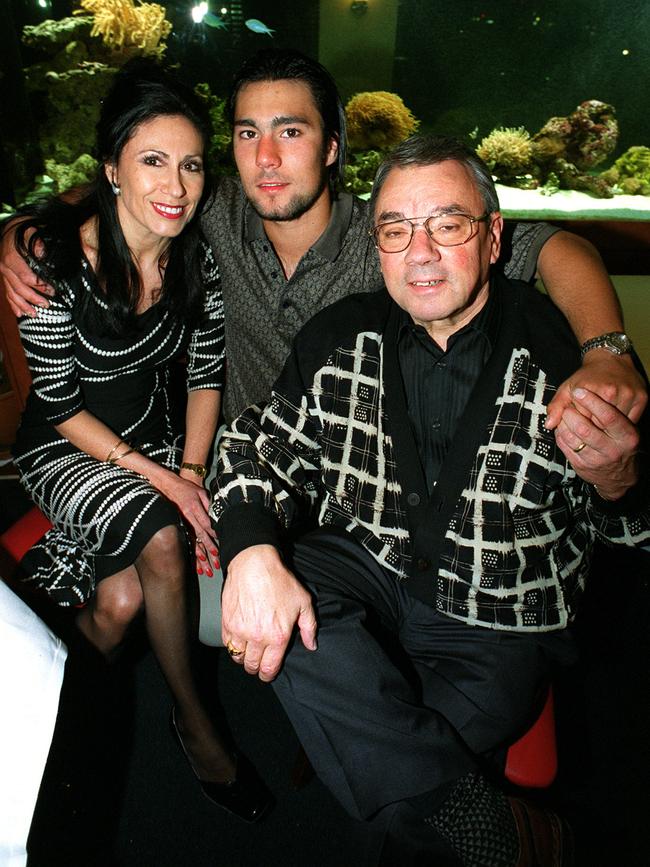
x=268 y=468
x=625 y=521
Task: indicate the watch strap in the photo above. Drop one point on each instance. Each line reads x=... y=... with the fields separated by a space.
x=198 y=469
x=614 y=341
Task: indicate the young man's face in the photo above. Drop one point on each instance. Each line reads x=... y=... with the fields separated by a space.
x=279 y=148
x=442 y=288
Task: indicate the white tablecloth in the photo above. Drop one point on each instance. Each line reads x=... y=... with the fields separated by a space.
x=32 y=660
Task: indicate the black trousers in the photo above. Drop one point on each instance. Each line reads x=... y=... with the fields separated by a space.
x=398 y=700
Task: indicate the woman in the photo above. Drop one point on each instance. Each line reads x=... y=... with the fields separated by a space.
x=136 y=288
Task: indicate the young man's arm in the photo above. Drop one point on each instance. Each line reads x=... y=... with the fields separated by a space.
x=575 y=278
x=24 y=290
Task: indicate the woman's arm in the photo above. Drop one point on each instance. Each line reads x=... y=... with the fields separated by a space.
x=575 y=278
x=203 y=407
x=96 y=439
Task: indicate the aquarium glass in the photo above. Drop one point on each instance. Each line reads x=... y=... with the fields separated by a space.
x=462 y=68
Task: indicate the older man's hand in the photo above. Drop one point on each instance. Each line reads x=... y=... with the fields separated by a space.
x=600 y=442
x=262 y=603
x=614 y=378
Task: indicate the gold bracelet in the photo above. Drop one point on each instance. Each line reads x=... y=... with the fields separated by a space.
x=198 y=469
x=107 y=459
x=117 y=458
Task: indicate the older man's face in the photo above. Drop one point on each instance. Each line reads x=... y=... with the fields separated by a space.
x=442 y=288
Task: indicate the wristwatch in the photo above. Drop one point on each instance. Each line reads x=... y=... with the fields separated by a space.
x=198 y=469
x=614 y=341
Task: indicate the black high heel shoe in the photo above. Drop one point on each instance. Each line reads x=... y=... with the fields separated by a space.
x=246 y=796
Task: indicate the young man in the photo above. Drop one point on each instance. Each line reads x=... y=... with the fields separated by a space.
x=454 y=529
x=288 y=242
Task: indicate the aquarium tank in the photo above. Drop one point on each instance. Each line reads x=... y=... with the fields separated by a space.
x=552 y=95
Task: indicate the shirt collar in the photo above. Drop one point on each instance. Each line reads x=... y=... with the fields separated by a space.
x=330 y=242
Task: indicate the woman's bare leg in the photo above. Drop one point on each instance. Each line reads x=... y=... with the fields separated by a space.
x=161 y=568
x=117 y=601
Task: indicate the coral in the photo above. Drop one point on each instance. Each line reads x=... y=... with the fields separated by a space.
x=123 y=25
x=378 y=120
x=68 y=104
x=219 y=145
x=585 y=138
x=50 y=36
x=631 y=172
x=560 y=155
x=360 y=172
x=507 y=152
x=65 y=176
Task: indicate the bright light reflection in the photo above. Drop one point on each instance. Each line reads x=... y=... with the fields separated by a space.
x=198 y=12
x=223 y=10
x=625 y=52
x=42 y=4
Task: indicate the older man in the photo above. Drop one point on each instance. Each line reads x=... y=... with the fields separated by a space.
x=451 y=530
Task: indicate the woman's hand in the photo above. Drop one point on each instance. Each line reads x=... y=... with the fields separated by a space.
x=205 y=548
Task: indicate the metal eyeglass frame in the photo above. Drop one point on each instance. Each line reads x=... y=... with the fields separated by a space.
x=424 y=221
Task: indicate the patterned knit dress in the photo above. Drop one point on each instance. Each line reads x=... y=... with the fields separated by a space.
x=104 y=514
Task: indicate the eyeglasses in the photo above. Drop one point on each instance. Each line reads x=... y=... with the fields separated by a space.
x=446 y=230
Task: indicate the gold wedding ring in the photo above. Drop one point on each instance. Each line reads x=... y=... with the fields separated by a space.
x=580 y=448
x=232 y=650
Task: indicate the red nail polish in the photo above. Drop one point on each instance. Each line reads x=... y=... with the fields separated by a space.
x=199 y=571
x=208 y=572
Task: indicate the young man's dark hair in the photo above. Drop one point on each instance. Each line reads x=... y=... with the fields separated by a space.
x=273 y=64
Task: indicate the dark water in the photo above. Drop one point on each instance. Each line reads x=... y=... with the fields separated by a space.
x=460 y=66
x=516 y=63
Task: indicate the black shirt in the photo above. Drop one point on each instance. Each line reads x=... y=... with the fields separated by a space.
x=438 y=384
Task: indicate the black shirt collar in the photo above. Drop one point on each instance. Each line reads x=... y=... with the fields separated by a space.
x=485 y=323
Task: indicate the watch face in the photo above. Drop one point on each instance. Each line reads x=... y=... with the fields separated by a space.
x=620 y=342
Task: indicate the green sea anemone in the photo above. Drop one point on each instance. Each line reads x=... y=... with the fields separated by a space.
x=378 y=120
x=507 y=151
x=631 y=172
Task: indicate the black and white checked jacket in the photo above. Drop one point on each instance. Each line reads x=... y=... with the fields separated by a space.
x=504 y=541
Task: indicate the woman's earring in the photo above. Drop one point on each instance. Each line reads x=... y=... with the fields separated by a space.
x=116 y=190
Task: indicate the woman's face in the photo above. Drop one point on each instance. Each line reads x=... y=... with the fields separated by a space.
x=160 y=176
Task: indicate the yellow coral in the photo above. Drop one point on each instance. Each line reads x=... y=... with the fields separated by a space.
x=123 y=25
x=378 y=120
x=507 y=148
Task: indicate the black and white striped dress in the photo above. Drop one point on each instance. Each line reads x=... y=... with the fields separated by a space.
x=103 y=514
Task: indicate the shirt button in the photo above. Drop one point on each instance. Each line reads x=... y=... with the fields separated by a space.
x=274 y=274
x=265 y=248
x=435 y=425
x=287 y=303
x=422 y=564
x=413 y=499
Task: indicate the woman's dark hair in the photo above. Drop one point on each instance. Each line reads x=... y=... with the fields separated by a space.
x=141 y=91
x=286 y=64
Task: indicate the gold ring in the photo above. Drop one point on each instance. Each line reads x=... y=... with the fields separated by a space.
x=580 y=448
x=232 y=650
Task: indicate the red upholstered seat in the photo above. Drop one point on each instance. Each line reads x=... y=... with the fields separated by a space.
x=532 y=761
x=19 y=538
